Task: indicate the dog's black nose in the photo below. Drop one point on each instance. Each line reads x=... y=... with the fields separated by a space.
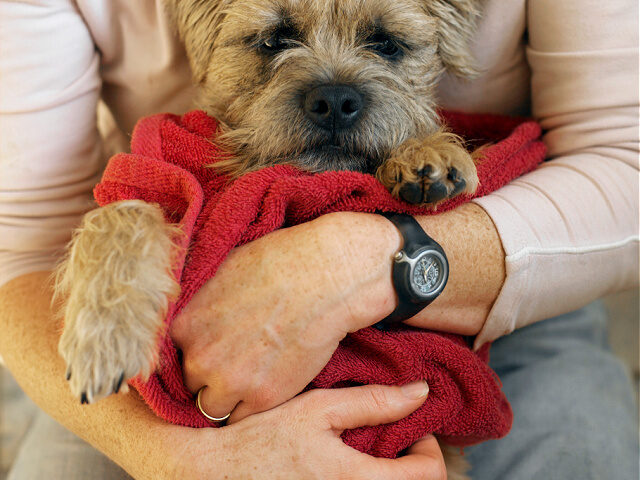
x=333 y=107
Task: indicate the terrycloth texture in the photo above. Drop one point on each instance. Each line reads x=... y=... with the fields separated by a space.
x=168 y=166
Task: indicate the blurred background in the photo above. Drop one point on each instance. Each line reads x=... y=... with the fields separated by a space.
x=16 y=410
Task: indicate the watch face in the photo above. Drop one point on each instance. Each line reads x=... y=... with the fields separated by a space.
x=427 y=273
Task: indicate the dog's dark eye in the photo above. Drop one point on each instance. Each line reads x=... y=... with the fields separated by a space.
x=383 y=45
x=275 y=44
x=283 y=38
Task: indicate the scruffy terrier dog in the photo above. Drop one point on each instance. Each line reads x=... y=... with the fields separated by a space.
x=320 y=84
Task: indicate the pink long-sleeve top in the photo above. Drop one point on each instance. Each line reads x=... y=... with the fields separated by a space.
x=569 y=229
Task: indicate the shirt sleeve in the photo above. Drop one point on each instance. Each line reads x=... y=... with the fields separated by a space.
x=570 y=228
x=50 y=149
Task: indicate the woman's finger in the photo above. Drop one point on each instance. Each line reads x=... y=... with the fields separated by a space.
x=423 y=461
x=211 y=406
x=371 y=404
x=425 y=456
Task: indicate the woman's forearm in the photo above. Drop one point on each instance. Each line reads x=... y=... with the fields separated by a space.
x=121 y=426
x=476 y=267
x=281 y=443
x=313 y=284
x=476 y=270
x=368 y=243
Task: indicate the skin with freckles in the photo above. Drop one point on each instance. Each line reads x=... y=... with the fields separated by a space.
x=347 y=287
x=268 y=344
x=280 y=444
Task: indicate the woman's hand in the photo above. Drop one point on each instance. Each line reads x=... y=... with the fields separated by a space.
x=267 y=323
x=301 y=439
x=259 y=331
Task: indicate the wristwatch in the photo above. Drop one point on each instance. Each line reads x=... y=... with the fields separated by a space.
x=420 y=270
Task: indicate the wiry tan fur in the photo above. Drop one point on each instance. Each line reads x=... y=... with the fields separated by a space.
x=117 y=277
x=457 y=465
x=258 y=98
x=116 y=283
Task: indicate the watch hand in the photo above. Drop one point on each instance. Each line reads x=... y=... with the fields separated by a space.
x=424 y=274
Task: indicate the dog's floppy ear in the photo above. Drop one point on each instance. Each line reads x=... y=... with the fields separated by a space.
x=198 y=22
x=457 y=21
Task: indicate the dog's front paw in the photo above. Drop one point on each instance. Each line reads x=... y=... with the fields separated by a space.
x=430 y=170
x=100 y=360
x=116 y=284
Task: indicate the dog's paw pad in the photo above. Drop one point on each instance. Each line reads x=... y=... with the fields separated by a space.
x=432 y=185
x=435 y=192
x=459 y=183
x=411 y=193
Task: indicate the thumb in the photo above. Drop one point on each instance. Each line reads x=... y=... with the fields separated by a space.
x=374 y=404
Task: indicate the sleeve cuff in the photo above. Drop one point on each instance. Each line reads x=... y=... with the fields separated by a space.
x=16 y=264
x=515 y=234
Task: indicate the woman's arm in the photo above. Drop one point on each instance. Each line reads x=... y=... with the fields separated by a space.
x=476 y=270
x=281 y=443
x=29 y=347
x=260 y=330
x=570 y=228
x=50 y=150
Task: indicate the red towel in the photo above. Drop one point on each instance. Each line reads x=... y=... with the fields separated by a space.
x=168 y=166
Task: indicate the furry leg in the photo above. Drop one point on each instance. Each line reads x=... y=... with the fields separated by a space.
x=115 y=283
x=457 y=465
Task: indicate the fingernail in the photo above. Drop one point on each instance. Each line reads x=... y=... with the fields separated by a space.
x=415 y=390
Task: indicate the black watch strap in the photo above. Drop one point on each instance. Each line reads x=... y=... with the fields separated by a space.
x=415 y=239
x=412 y=233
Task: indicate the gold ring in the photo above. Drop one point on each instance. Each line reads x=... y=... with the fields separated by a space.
x=205 y=414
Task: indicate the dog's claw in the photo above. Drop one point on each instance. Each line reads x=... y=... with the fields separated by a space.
x=458 y=187
x=84 y=399
x=454 y=175
x=118 y=383
x=426 y=171
x=68 y=376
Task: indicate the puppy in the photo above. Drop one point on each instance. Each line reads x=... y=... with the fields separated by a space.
x=319 y=84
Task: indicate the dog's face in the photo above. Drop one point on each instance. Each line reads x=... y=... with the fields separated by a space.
x=322 y=84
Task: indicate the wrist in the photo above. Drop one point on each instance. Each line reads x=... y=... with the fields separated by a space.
x=365 y=245
x=420 y=269
x=476 y=270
